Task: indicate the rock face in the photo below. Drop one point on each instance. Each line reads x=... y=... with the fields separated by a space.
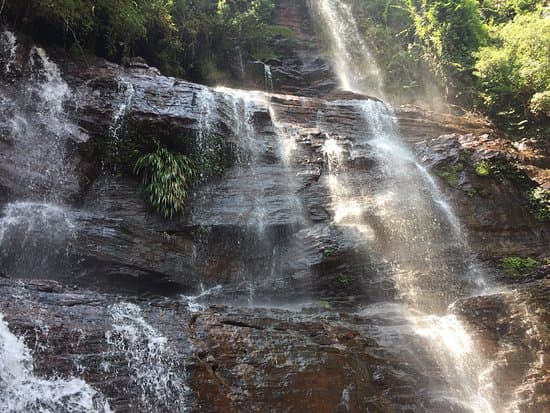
x=513 y=329
x=157 y=355
x=266 y=233
x=495 y=207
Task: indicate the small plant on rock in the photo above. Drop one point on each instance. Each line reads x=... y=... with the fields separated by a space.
x=539 y=203
x=166 y=176
x=517 y=266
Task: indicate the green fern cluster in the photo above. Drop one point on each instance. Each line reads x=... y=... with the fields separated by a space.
x=166 y=177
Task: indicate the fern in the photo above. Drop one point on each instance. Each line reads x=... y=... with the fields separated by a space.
x=166 y=177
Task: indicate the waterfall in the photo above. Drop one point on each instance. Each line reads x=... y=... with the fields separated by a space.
x=35 y=232
x=404 y=216
x=23 y=391
x=39 y=129
x=35 y=239
x=353 y=62
x=153 y=366
x=268 y=75
x=126 y=91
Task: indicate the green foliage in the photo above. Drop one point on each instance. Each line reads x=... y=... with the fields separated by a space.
x=329 y=252
x=166 y=176
x=343 y=280
x=174 y=35
x=451 y=173
x=514 y=73
x=449 y=32
x=517 y=266
x=539 y=203
x=482 y=168
x=501 y=171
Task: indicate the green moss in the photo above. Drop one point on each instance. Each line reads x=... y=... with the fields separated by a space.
x=342 y=279
x=501 y=171
x=482 y=168
x=472 y=192
x=517 y=266
x=451 y=173
x=325 y=305
x=329 y=252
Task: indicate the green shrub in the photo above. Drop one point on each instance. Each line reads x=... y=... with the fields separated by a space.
x=517 y=266
x=501 y=171
x=514 y=73
x=166 y=176
x=539 y=203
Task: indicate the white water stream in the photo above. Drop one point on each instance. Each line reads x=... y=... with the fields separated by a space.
x=22 y=391
x=405 y=217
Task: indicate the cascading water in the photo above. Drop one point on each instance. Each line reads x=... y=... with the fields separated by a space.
x=35 y=239
x=153 y=367
x=22 y=391
x=354 y=64
x=268 y=75
x=34 y=232
x=259 y=193
x=405 y=218
x=8 y=42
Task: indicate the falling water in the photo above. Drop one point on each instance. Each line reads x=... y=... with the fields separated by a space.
x=154 y=368
x=410 y=226
x=8 y=42
x=39 y=129
x=23 y=391
x=35 y=232
x=404 y=216
x=354 y=63
x=35 y=239
x=268 y=75
x=126 y=93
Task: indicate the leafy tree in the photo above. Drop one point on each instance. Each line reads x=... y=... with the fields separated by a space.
x=450 y=32
x=514 y=72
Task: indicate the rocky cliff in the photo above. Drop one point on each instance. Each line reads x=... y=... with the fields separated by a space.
x=257 y=236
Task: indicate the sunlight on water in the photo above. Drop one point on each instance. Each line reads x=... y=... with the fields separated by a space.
x=417 y=233
x=459 y=359
x=355 y=65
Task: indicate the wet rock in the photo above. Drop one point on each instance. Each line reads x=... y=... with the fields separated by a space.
x=512 y=328
x=495 y=209
x=219 y=359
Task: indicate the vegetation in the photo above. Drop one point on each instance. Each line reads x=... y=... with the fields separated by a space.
x=166 y=176
x=514 y=72
x=451 y=173
x=187 y=38
x=485 y=55
x=539 y=203
x=489 y=55
x=501 y=171
x=517 y=266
